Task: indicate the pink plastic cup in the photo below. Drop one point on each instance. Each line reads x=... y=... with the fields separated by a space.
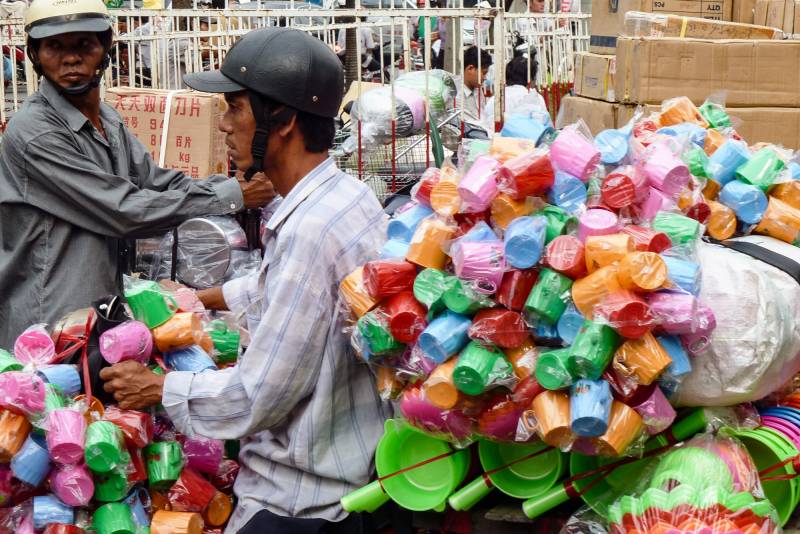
x=654 y=202
x=131 y=340
x=479 y=186
x=705 y=322
x=203 y=455
x=678 y=313
x=482 y=261
x=35 y=346
x=573 y=154
x=66 y=435
x=664 y=171
x=72 y=484
x=23 y=391
x=597 y=222
x=656 y=411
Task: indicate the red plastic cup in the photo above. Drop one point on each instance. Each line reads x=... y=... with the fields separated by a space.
x=622 y=189
x=226 y=475
x=529 y=174
x=565 y=254
x=700 y=212
x=406 y=317
x=429 y=179
x=515 y=288
x=191 y=492
x=385 y=278
x=137 y=427
x=504 y=328
x=61 y=528
x=646 y=240
x=627 y=313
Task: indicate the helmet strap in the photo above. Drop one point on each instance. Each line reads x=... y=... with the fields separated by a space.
x=266 y=120
x=85 y=88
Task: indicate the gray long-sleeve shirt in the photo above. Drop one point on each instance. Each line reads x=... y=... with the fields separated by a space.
x=68 y=196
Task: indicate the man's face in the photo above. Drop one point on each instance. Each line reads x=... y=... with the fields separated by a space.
x=536 y=6
x=71 y=59
x=473 y=78
x=239 y=126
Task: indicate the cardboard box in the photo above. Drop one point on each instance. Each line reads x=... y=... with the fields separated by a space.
x=743 y=11
x=751 y=73
x=608 y=16
x=639 y=24
x=783 y=14
x=594 y=76
x=597 y=114
x=194 y=143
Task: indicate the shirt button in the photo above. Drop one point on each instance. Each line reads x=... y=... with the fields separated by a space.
x=233 y=206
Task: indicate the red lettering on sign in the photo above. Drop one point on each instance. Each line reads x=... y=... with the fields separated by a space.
x=150 y=104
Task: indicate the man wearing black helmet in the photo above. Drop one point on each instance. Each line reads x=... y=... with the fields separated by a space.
x=75 y=184
x=307 y=412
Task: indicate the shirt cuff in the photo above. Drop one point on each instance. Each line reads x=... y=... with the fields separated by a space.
x=229 y=195
x=175 y=399
x=236 y=295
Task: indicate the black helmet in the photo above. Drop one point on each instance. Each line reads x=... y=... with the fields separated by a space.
x=289 y=67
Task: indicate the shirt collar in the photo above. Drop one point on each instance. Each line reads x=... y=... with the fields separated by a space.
x=301 y=191
x=63 y=107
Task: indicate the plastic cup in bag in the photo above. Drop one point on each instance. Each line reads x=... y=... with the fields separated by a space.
x=463 y=297
x=569 y=324
x=192 y=358
x=613 y=146
x=552 y=412
x=524 y=241
x=552 y=371
x=477 y=367
x=762 y=169
x=136 y=426
x=680 y=229
x=665 y=171
x=111 y=486
x=66 y=435
x=574 y=154
x=34 y=345
x=505 y=209
x=63 y=376
x=444 y=336
x=8 y=362
x=504 y=328
x=129 y=341
x=679 y=313
x=623 y=187
x=647 y=240
x=104 y=446
x=725 y=161
x=439 y=388
x=680 y=110
x=47 y=509
x=385 y=278
x=22 y=391
x=32 y=463
x=203 y=454
x=405 y=317
x=218 y=510
x=529 y=174
x=113 y=518
x=191 y=492
x=627 y=313
x=525 y=127
x=643 y=359
x=72 y=484
x=394 y=248
x=566 y=255
x=549 y=296
x=781 y=221
x=14 y=430
x=429 y=287
x=426 y=246
x=683 y=274
x=404 y=224
x=355 y=293
x=559 y=222
x=164 y=463
x=165 y=522
x=592 y=350
x=596 y=222
x=179 y=332
x=624 y=426
x=427 y=181
x=656 y=412
x=715 y=115
x=481 y=261
x=603 y=250
x=568 y=192
x=642 y=271
x=591 y=290
x=697 y=161
x=515 y=288
x=721 y=224
x=149 y=305
x=590 y=407
x=788 y=192
x=748 y=201
x=479 y=185
x=654 y=203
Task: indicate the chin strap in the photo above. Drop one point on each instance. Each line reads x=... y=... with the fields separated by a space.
x=80 y=90
x=266 y=119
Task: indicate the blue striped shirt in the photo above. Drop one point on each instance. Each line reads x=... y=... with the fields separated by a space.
x=306 y=409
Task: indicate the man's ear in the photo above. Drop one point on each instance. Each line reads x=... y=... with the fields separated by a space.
x=287 y=127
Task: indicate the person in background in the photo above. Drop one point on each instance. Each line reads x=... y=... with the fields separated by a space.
x=521 y=96
x=76 y=185
x=307 y=412
x=473 y=100
x=366 y=45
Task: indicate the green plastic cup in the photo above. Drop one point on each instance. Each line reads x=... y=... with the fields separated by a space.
x=111 y=486
x=592 y=350
x=692 y=466
x=104 y=446
x=478 y=367
x=149 y=305
x=559 y=222
x=715 y=115
x=53 y=398
x=552 y=371
x=227 y=345
x=697 y=161
x=680 y=229
x=761 y=169
x=429 y=288
x=460 y=297
x=164 y=464
x=548 y=298
x=113 y=518
x=8 y=362
x=375 y=330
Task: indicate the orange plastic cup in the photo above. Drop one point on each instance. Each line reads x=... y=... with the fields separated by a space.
x=439 y=388
x=721 y=223
x=176 y=523
x=780 y=221
x=523 y=359
x=681 y=110
x=642 y=271
x=624 y=426
x=159 y=501
x=218 y=510
x=551 y=410
x=426 y=245
x=714 y=140
x=387 y=381
x=592 y=290
x=355 y=293
x=181 y=331
x=711 y=189
x=603 y=250
x=445 y=199
x=643 y=359
x=504 y=148
x=95 y=409
x=505 y=209
x=788 y=192
x=14 y=429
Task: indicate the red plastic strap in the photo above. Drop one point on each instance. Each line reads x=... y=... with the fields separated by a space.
x=77 y=343
x=412 y=467
x=87 y=379
x=518 y=460
x=487 y=480
x=794 y=460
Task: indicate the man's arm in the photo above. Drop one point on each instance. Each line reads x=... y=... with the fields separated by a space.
x=212 y=298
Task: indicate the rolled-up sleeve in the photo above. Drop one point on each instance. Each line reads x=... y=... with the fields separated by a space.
x=60 y=180
x=241 y=293
x=279 y=369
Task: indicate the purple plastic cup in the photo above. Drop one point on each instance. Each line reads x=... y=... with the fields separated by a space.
x=23 y=391
x=131 y=340
x=664 y=171
x=482 y=261
x=34 y=346
x=574 y=154
x=203 y=455
x=656 y=412
x=478 y=187
x=72 y=484
x=597 y=222
x=680 y=313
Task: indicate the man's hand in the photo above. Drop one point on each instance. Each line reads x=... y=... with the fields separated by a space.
x=133 y=385
x=258 y=192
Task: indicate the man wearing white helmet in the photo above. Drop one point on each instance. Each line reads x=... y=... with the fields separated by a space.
x=75 y=184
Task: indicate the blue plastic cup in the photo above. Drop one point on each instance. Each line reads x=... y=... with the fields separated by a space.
x=47 y=509
x=723 y=163
x=64 y=377
x=748 y=201
x=139 y=501
x=695 y=133
x=590 y=407
x=444 y=336
x=681 y=365
x=478 y=233
x=32 y=463
x=570 y=323
x=544 y=331
x=568 y=192
x=794 y=170
x=613 y=146
x=524 y=241
x=402 y=227
x=684 y=274
x=525 y=127
x=193 y=359
x=394 y=248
